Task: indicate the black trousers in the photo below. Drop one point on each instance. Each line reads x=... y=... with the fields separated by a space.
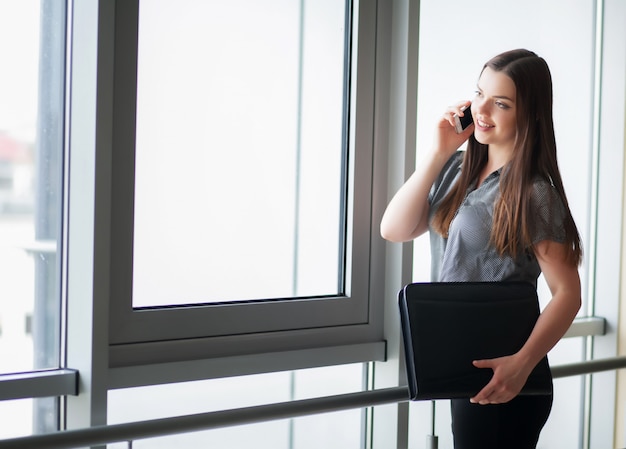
x=514 y=425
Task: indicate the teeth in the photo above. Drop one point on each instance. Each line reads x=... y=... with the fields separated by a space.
x=483 y=124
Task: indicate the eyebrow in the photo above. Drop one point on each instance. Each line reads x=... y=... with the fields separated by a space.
x=502 y=97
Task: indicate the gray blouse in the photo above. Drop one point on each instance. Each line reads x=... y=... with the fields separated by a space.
x=467 y=255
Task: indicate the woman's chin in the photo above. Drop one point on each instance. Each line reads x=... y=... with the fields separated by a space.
x=480 y=138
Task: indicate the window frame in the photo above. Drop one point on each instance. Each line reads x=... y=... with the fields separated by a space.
x=174 y=334
x=88 y=227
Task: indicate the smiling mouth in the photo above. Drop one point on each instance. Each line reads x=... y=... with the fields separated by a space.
x=483 y=124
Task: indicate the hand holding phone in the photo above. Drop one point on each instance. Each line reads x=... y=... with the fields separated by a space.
x=461 y=123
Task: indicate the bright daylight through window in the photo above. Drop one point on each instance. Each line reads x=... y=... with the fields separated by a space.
x=240 y=151
x=32 y=45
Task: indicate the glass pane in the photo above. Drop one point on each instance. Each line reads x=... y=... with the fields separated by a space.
x=32 y=43
x=31 y=139
x=535 y=25
x=340 y=429
x=240 y=162
x=17 y=417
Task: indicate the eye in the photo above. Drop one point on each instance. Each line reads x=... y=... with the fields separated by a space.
x=478 y=94
x=502 y=105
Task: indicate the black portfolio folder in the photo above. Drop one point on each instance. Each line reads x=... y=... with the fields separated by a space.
x=445 y=326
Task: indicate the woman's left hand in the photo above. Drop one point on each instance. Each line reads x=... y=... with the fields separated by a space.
x=509 y=376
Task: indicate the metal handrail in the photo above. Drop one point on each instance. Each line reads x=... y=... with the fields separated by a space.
x=116 y=433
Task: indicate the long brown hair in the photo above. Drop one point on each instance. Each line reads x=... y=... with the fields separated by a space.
x=534 y=155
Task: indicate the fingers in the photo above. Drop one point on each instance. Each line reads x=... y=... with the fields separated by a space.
x=484 y=397
x=457 y=109
x=496 y=391
x=483 y=364
x=453 y=119
x=487 y=396
x=446 y=139
x=492 y=393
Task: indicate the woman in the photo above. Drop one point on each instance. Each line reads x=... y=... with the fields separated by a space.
x=498 y=212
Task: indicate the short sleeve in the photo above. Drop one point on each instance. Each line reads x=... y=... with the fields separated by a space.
x=548 y=213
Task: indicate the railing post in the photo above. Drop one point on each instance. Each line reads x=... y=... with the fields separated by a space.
x=432 y=442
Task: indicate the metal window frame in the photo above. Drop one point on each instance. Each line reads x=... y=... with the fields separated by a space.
x=39 y=384
x=64 y=382
x=173 y=334
x=88 y=333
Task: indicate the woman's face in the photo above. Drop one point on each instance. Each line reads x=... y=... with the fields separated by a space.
x=494 y=110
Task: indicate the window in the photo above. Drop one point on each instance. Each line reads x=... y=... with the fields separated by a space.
x=31 y=144
x=242 y=180
x=240 y=151
x=99 y=250
x=32 y=51
x=340 y=429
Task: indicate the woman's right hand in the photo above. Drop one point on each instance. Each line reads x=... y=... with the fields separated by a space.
x=447 y=141
x=406 y=216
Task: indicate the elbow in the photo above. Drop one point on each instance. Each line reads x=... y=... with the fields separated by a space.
x=385 y=234
x=577 y=300
x=385 y=230
x=389 y=237
x=399 y=232
x=574 y=300
x=392 y=235
x=395 y=233
x=575 y=303
x=389 y=233
x=578 y=303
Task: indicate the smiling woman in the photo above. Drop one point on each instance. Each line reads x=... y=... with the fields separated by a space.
x=495 y=116
x=183 y=336
x=582 y=80
x=498 y=212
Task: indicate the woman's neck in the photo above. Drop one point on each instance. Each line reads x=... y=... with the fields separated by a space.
x=497 y=158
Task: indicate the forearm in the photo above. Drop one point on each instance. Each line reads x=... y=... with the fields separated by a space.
x=564 y=283
x=511 y=372
x=406 y=216
x=552 y=324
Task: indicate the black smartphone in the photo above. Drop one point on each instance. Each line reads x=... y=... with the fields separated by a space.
x=460 y=123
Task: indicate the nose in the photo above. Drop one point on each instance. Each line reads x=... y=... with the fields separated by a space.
x=479 y=107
